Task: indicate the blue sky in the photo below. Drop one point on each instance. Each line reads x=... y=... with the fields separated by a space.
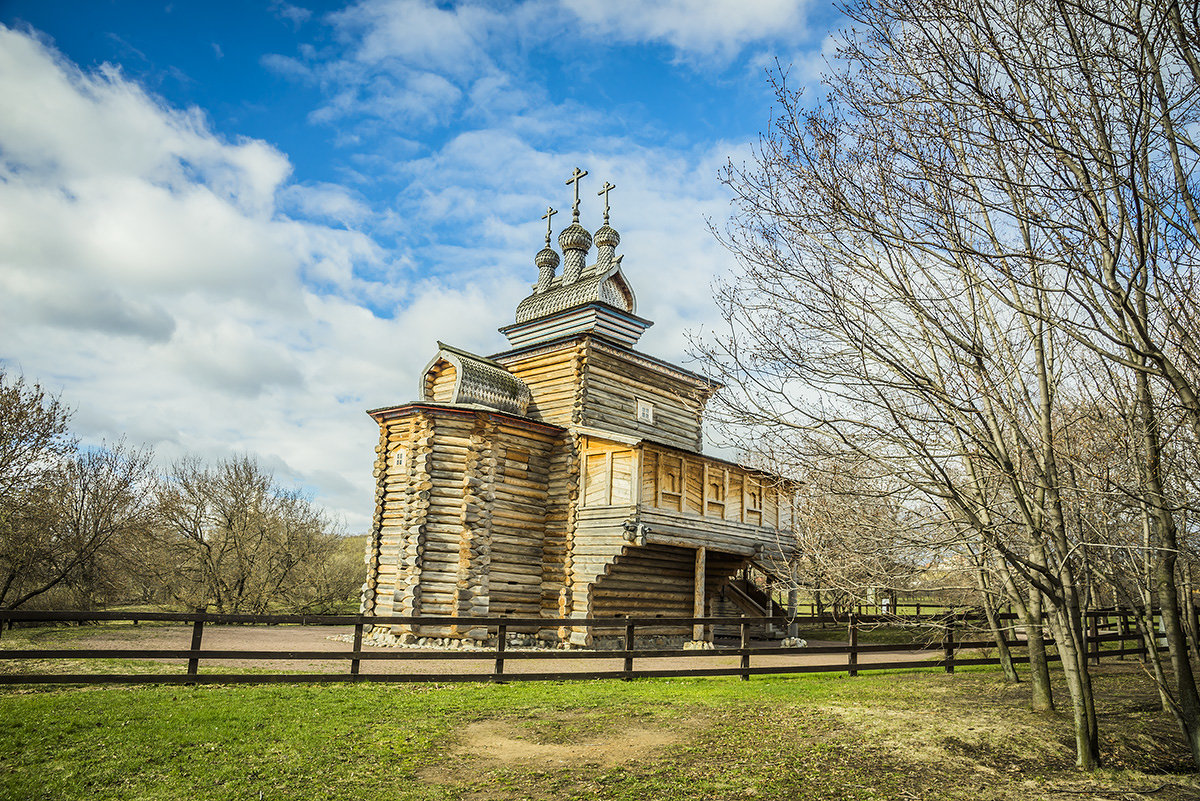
x=230 y=227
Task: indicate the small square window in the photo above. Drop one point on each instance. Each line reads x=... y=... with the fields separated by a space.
x=645 y=412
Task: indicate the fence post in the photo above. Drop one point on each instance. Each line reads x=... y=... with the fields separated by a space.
x=1122 y=632
x=948 y=646
x=1094 y=637
x=852 y=657
x=628 y=647
x=745 y=653
x=358 y=632
x=917 y=614
x=501 y=639
x=1143 y=652
x=193 y=667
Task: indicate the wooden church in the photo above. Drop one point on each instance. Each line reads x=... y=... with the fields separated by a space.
x=564 y=476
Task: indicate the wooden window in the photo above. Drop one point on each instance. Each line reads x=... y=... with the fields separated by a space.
x=716 y=489
x=400 y=458
x=645 y=412
x=673 y=479
x=716 y=486
x=754 y=502
x=670 y=482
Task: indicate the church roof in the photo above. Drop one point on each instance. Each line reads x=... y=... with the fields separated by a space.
x=595 y=285
x=478 y=380
x=594 y=298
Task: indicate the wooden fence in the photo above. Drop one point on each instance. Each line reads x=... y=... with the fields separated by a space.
x=948 y=652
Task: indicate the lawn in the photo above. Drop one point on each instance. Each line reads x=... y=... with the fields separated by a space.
x=882 y=736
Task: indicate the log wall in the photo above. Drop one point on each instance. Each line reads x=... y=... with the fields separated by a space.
x=552 y=375
x=463 y=512
x=612 y=382
x=439 y=383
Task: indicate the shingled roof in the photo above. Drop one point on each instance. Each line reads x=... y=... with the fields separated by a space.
x=479 y=381
x=603 y=286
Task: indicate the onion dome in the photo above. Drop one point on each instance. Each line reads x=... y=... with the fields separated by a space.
x=575 y=237
x=546 y=257
x=547 y=262
x=607 y=235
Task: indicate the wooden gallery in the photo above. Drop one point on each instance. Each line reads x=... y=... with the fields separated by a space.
x=564 y=476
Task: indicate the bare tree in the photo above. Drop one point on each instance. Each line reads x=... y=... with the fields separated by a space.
x=994 y=195
x=238 y=541
x=34 y=442
x=64 y=515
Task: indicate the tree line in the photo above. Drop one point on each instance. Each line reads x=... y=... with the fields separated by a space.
x=91 y=527
x=966 y=315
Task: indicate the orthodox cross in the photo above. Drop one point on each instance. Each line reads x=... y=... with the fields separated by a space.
x=607 y=188
x=574 y=179
x=549 y=213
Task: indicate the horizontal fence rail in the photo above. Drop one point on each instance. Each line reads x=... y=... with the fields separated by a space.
x=947 y=651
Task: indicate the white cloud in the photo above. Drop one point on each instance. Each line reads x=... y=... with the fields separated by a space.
x=704 y=28
x=326 y=201
x=181 y=291
x=147 y=269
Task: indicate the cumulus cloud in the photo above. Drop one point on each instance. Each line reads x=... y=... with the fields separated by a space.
x=180 y=291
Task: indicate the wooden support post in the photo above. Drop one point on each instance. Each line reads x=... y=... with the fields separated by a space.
x=698 y=632
x=948 y=646
x=501 y=639
x=745 y=653
x=793 y=629
x=852 y=657
x=917 y=614
x=358 y=632
x=628 y=647
x=197 y=634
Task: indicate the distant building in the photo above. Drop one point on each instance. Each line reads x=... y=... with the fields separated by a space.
x=564 y=477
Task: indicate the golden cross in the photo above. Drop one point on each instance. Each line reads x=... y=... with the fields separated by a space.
x=607 y=188
x=549 y=213
x=574 y=179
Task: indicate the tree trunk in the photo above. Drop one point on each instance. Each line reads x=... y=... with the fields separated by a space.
x=998 y=631
x=1068 y=637
x=1041 y=693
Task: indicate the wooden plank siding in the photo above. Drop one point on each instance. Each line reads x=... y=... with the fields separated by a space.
x=586 y=381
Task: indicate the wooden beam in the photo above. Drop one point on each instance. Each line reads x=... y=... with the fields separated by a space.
x=698 y=632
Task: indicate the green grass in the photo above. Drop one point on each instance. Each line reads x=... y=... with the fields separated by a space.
x=825 y=736
x=360 y=741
